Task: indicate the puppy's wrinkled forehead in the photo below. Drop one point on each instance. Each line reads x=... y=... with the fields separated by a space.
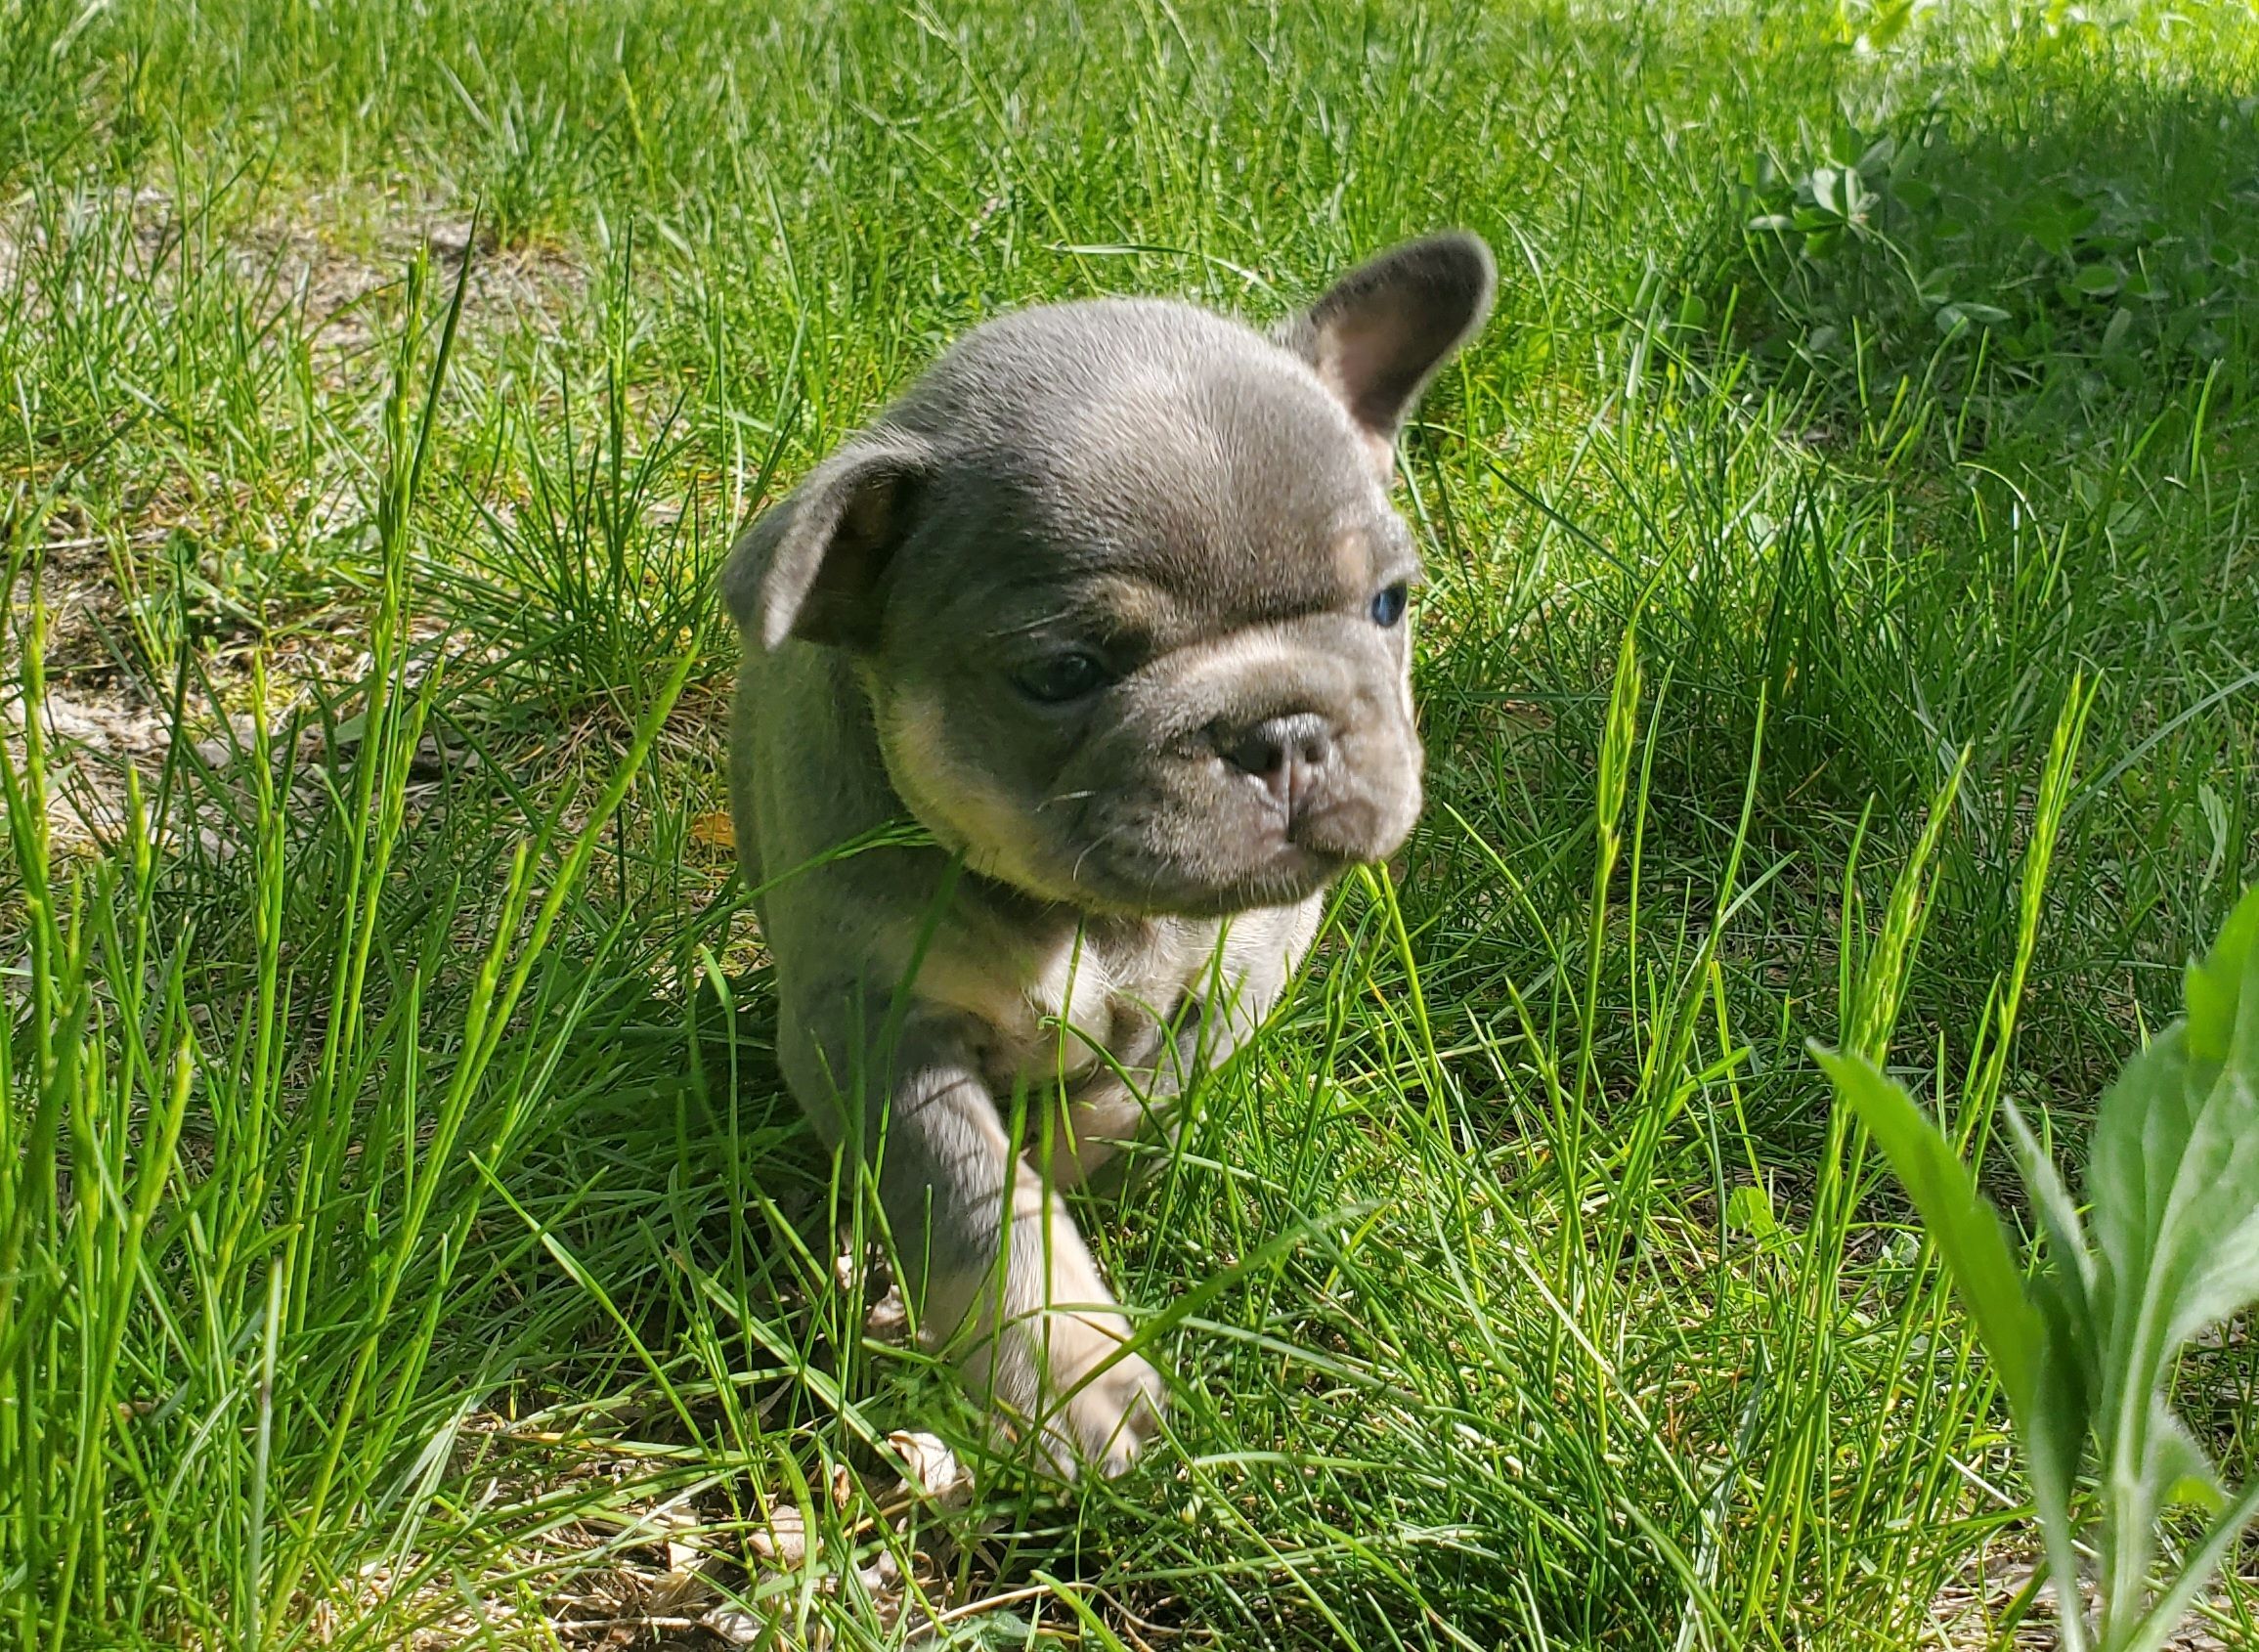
x=1123 y=439
x=1157 y=456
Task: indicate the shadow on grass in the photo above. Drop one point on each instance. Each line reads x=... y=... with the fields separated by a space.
x=2016 y=341
x=2077 y=249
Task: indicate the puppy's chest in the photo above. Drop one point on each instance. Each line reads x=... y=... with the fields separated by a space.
x=1069 y=1002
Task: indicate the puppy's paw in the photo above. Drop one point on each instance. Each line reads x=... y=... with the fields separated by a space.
x=1062 y=1380
x=1043 y=1343
x=1102 y=1404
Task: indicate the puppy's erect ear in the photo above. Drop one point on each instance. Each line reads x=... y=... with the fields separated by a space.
x=812 y=566
x=1378 y=335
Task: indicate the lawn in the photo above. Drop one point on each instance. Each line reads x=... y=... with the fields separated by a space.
x=404 y=1238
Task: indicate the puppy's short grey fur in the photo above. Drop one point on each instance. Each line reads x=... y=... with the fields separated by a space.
x=1107 y=602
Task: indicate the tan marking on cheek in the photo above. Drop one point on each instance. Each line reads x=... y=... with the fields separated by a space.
x=950 y=797
x=955 y=800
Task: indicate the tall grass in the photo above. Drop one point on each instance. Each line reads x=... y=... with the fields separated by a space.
x=253 y=1091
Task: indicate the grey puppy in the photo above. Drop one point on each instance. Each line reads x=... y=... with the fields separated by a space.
x=1111 y=601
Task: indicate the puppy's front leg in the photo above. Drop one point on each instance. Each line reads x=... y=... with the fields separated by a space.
x=994 y=1256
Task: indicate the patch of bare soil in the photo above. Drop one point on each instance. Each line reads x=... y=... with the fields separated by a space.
x=332 y=282
x=1971 y=1613
x=693 y=1571
x=319 y=278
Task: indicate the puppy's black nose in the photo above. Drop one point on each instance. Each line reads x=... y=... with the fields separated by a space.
x=1287 y=754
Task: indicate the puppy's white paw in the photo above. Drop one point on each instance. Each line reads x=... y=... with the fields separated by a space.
x=1101 y=1402
x=1057 y=1374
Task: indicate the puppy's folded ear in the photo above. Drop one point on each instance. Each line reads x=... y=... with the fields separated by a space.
x=812 y=565
x=1378 y=335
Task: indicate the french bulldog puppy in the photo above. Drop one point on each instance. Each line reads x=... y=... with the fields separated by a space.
x=1113 y=603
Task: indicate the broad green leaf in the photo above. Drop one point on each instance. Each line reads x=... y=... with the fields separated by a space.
x=1960 y=1220
x=2070 y=1381
x=1890 y=21
x=2174 y=1182
x=2216 y=1200
x=2053 y=1438
x=1750 y=1208
x=1919 y=197
x=2098 y=280
x=2197 y=1570
x=2178 y=1467
x=1826 y=182
x=2141 y=1141
x=2174 y=1189
x=2141 y=1144
x=2215 y=986
x=2055 y=1434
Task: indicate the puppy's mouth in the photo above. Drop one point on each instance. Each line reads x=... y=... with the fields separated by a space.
x=1138 y=856
x=1293 y=874
x=1211 y=820
x=1231 y=859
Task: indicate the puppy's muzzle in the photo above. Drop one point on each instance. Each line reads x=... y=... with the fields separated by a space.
x=1304 y=770
x=1290 y=756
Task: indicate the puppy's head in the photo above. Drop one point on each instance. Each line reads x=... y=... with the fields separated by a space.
x=1126 y=590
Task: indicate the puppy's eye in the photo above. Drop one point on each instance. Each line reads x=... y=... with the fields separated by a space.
x=1388 y=605
x=1062 y=678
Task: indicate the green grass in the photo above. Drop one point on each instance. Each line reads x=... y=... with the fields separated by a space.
x=403 y=1235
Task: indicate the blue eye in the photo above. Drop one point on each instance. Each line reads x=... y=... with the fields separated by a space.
x=1061 y=678
x=1388 y=605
